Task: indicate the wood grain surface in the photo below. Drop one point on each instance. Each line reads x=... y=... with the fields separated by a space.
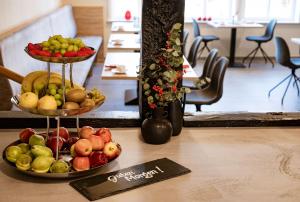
x=228 y=164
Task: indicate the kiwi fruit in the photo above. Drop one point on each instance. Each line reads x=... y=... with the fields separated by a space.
x=75 y=95
x=71 y=105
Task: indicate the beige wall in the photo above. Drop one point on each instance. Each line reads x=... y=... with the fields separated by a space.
x=16 y=12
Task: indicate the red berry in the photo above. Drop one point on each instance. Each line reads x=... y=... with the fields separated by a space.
x=57 y=54
x=70 y=54
x=44 y=53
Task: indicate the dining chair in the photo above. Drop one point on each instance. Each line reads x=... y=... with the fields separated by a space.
x=213 y=92
x=205 y=38
x=192 y=56
x=270 y=28
x=185 y=37
x=207 y=67
x=283 y=57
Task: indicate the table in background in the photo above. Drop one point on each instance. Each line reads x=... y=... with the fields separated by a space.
x=233 y=27
x=131 y=61
x=125 y=27
x=227 y=164
x=129 y=42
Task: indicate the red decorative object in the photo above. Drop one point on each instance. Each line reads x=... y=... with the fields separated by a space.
x=127 y=15
x=204 y=18
x=209 y=18
x=199 y=19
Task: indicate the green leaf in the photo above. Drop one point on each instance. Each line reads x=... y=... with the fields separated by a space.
x=177 y=26
x=175 y=53
x=177 y=41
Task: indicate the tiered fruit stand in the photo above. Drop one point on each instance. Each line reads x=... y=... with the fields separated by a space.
x=57 y=114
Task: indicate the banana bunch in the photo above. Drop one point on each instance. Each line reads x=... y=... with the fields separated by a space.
x=37 y=81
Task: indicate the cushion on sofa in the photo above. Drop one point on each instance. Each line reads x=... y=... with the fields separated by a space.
x=62 y=22
x=81 y=69
x=13 y=54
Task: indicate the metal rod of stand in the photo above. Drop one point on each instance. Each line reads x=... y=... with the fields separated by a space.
x=71 y=75
x=49 y=71
x=63 y=82
x=77 y=124
x=57 y=136
x=48 y=126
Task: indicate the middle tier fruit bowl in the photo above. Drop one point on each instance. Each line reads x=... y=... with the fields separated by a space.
x=64 y=60
x=54 y=113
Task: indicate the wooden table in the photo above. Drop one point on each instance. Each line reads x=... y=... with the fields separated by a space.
x=129 y=42
x=233 y=27
x=131 y=61
x=227 y=164
x=124 y=27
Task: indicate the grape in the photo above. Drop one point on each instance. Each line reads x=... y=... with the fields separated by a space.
x=57 y=96
x=70 y=48
x=60 y=91
x=45 y=44
x=64 y=45
x=75 y=48
x=58 y=102
x=45 y=48
x=52 y=86
x=62 y=51
x=52 y=91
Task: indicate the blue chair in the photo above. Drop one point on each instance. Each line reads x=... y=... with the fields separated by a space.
x=283 y=57
x=262 y=39
x=205 y=38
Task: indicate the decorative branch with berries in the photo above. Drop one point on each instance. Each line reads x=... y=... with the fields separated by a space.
x=161 y=80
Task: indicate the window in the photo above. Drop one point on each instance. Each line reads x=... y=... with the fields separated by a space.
x=283 y=10
x=216 y=9
x=118 y=8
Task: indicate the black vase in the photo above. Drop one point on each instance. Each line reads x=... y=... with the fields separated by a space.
x=157 y=129
x=176 y=117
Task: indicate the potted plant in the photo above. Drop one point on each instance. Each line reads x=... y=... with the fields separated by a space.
x=162 y=83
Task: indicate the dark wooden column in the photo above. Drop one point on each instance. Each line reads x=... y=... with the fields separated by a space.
x=158 y=17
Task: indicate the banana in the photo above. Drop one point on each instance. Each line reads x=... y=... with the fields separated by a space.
x=41 y=82
x=28 y=80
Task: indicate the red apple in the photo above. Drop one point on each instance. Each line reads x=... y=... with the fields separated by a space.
x=71 y=141
x=81 y=163
x=111 y=150
x=52 y=142
x=86 y=131
x=25 y=134
x=97 y=142
x=97 y=158
x=63 y=132
x=83 y=147
x=105 y=134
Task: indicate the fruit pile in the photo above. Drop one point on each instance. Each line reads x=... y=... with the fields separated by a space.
x=58 y=46
x=38 y=93
x=35 y=153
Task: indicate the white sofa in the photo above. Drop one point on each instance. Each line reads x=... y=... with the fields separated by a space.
x=59 y=22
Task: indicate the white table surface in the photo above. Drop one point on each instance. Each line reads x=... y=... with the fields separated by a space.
x=128 y=42
x=124 y=27
x=233 y=25
x=132 y=62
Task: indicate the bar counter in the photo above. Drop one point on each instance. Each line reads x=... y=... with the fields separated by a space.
x=227 y=164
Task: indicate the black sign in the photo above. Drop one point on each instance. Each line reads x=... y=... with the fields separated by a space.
x=108 y=184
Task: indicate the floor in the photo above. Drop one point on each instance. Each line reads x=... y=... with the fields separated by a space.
x=245 y=89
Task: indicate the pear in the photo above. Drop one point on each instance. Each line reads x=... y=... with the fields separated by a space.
x=60 y=166
x=47 y=103
x=29 y=100
x=12 y=153
x=38 y=150
x=37 y=140
x=42 y=164
x=24 y=147
x=23 y=162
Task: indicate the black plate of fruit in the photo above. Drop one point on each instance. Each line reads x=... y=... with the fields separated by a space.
x=58 y=49
x=34 y=153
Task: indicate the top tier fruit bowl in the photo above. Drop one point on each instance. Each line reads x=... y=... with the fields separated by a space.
x=61 y=59
x=58 y=49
